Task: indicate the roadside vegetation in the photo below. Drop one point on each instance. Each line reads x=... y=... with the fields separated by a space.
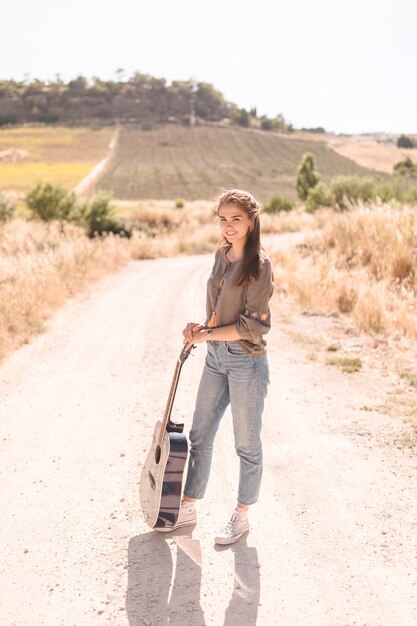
x=55 y=245
x=360 y=263
x=40 y=268
x=362 y=260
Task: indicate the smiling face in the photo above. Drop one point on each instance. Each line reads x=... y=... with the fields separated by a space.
x=234 y=223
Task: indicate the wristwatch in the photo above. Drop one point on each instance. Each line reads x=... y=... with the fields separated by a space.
x=209 y=331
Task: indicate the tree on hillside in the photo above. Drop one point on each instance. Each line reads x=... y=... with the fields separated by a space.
x=243 y=118
x=78 y=85
x=317 y=130
x=404 y=142
x=307 y=177
x=406 y=167
x=266 y=123
x=209 y=103
x=140 y=97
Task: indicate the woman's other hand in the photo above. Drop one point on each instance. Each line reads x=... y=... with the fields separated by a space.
x=189 y=331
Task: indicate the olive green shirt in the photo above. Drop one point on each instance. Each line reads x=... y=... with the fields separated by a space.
x=247 y=307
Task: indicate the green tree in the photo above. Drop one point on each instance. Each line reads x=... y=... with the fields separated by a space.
x=79 y=84
x=404 y=142
x=406 y=167
x=209 y=103
x=307 y=177
x=99 y=217
x=49 y=202
x=266 y=123
x=243 y=119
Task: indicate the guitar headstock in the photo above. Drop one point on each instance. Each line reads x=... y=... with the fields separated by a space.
x=185 y=353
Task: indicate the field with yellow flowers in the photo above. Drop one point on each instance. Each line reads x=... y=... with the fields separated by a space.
x=55 y=154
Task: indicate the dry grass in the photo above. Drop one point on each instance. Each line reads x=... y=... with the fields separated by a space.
x=373 y=155
x=56 y=154
x=40 y=268
x=164 y=230
x=288 y=222
x=402 y=403
x=346 y=364
x=362 y=264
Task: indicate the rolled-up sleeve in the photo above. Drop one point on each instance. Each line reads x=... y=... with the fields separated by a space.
x=256 y=319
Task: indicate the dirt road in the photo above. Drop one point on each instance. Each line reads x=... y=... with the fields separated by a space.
x=333 y=538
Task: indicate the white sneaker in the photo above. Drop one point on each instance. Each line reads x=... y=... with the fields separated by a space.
x=237 y=526
x=187 y=515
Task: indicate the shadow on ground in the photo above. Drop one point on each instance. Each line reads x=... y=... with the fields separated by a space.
x=156 y=594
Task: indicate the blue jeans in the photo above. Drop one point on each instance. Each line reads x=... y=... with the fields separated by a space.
x=233 y=376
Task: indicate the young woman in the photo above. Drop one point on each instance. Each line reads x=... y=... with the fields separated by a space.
x=236 y=366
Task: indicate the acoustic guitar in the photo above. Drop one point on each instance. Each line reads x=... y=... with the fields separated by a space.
x=162 y=473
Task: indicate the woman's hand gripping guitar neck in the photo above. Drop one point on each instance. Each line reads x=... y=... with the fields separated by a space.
x=197 y=333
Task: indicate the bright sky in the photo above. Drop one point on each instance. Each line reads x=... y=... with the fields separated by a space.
x=349 y=66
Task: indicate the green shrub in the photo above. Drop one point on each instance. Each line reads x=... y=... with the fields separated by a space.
x=402 y=190
x=307 y=177
x=276 y=123
x=99 y=217
x=350 y=190
x=319 y=130
x=48 y=118
x=8 y=119
x=410 y=196
x=390 y=190
x=406 y=167
x=179 y=203
x=319 y=196
x=404 y=142
x=49 y=202
x=7 y=209
x=278 y=203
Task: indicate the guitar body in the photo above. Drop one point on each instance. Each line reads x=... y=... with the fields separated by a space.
x=161 y=478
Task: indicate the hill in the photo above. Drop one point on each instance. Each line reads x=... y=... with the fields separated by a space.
x=172 y=161
x=381 y=156
x=141 y=98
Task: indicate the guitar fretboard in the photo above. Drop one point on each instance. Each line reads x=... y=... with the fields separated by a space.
x=170 y=401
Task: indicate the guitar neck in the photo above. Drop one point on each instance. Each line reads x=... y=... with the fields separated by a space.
x=181 y=359
x=171 y=398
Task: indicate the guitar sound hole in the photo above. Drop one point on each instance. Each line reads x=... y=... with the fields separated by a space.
x=157 y=454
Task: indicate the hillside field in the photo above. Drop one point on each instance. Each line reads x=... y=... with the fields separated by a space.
x=376 y=155
x=49 y=153
x=173 y=161
x=170 y=161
